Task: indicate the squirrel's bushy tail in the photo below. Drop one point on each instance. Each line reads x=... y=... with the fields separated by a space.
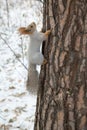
x=32 y=81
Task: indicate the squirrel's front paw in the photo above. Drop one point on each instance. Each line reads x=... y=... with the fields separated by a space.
x=47 y=32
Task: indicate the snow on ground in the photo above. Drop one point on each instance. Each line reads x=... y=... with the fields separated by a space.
x=17 y=106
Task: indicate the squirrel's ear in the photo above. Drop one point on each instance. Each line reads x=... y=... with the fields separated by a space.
x=34 y=23
x=23 y=31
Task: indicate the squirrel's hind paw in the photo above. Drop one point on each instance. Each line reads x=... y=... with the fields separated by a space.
x=44 y=62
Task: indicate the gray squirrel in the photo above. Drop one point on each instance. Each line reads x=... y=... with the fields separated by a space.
x=35 y=56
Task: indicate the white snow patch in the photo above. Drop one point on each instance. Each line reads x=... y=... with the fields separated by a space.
x=17 y=106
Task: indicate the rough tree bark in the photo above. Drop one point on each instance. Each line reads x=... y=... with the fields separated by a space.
x=62 y=94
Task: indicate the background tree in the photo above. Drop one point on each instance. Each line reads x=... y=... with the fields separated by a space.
x=62 y=95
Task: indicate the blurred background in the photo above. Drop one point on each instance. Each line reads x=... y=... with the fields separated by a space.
x=17 y=106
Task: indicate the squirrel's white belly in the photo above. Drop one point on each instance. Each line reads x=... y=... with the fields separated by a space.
x=34 y=46
x=35 y=56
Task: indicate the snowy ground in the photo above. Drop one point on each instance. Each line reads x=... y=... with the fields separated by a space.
x=17 y=106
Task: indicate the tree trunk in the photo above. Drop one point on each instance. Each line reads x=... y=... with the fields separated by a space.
x=62 y=95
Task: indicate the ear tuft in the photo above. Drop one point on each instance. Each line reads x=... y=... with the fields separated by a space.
x=33 y=23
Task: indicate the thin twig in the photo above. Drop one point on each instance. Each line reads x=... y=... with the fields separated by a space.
x=13 y=53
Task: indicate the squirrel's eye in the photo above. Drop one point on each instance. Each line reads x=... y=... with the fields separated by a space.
x=31 y=26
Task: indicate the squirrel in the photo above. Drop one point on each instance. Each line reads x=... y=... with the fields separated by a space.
x=35 y=56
